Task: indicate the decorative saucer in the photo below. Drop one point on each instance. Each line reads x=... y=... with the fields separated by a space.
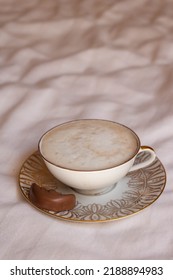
x=133 y=193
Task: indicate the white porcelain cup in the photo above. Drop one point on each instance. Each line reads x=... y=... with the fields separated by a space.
x=92 y=155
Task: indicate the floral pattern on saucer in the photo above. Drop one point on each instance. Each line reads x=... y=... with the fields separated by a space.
x=140 y=189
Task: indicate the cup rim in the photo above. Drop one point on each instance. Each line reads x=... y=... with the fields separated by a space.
x=88 y=170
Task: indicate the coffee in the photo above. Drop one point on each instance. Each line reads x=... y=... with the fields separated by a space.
x=89 y=145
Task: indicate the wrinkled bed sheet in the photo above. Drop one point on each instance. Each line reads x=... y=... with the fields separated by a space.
x=64 y=60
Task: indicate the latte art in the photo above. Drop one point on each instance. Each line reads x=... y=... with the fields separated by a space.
x=89 y=145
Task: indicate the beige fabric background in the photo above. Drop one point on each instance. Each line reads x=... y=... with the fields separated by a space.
x=63 y=60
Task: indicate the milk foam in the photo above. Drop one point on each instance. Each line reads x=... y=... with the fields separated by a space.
x=89 y=145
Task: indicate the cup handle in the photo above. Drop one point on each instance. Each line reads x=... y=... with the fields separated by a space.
x=146 y=162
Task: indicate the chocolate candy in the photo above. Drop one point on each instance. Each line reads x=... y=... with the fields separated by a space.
x=50 y=199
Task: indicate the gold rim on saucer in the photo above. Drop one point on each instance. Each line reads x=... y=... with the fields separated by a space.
x=132 y=194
